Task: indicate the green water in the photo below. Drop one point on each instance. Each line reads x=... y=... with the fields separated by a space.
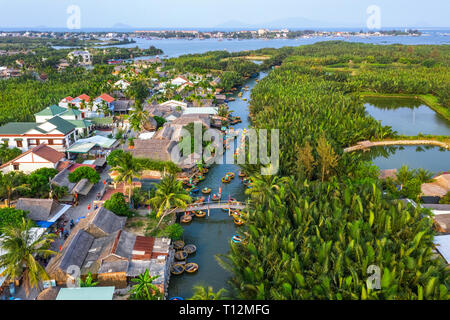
x=212 y=234
x=407 y=116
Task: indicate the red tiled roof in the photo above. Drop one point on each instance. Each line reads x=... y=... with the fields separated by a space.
x=69 y=98
x=48 y=153
x=107 y=97
x=84 y=97
x=42 y=151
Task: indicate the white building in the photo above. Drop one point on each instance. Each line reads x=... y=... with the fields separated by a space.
x=39 y=157
x=83 y=56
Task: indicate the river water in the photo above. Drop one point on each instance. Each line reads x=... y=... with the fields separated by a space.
x=212 y=234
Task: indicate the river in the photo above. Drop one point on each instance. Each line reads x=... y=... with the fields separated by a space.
x=177 y=47
x=212 y=234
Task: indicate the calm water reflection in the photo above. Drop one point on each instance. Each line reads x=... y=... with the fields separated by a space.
x=407 y=116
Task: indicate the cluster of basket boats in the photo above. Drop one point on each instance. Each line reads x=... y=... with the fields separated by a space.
x=192 y=188
x=181 y=254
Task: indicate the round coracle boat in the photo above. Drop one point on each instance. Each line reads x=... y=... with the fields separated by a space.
x=231 y=175
x=181 y=255
x=177 y=269
x=204 y=170
x=186 y=219
x=216 y=197
x=200 y=214
x=241 y=174
x=237 y=238
x=178 y=245
x=190 y=248
x=238 y=222
x=226 y=179
x=191 y=267
x=206 y=190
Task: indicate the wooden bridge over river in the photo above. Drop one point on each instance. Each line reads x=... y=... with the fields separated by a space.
x=234 y=205
x=369 y=144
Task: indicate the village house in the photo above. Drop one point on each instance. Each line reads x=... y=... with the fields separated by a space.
x=122 y=106
x=178 y=81
x=83 y=57
x=81 y=102
x=121 y=84
x=97 y=105
x=99 y=244
x=81 y=187
x=41 y=156
x=44 y=212
x=56 y=132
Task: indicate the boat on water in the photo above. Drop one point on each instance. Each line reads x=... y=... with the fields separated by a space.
x=186 y=218
x=206 y=190
x=177 y=269
x=204 y=170
x=190 y=248
x=244 y=99
x=195 y=190
x=238 y=222
x=176 y=298
x=226 y=179
x=241 y=174
x=200 y=214
x=231 y=175
x=216 y=197
x=181 y=255
x=178 y=245
x=191 y=267
x=201 y=178
x=237 y=238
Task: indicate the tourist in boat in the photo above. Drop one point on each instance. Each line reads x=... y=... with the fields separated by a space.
x=200 y=214
x=216 y=197
x=186 y=218
x=226 y=179
x=206 y=190
x=230 y=174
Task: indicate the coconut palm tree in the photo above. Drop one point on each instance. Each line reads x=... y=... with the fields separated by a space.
x=169 y=196
x=11 y=182
x=144 y=289
x=21 y=249
x=138 y=117
x=127 y=169
x=207 y=293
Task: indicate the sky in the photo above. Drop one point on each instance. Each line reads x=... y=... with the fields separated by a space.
x=214 y=13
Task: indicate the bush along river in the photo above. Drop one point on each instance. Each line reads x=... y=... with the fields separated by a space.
x=212 y=235
x=408 y=116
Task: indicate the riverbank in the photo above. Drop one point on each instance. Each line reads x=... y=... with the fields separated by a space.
x=428 y=99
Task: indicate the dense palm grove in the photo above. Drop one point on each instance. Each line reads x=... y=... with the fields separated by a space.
x=314 y=229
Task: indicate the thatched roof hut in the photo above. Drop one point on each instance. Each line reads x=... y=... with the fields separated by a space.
x=48 y=294
x=39 y=209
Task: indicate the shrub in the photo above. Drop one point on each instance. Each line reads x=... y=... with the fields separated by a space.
x=174 y=231
x=118 y=205
x=84 y=172
x=113 y=158
x=10 y=217
x=445 y=199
